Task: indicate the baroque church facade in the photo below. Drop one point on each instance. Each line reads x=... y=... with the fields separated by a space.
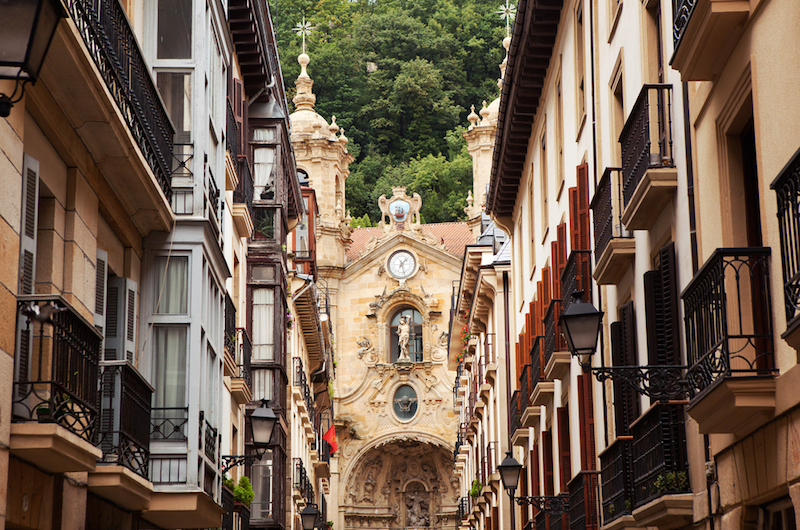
x=389 y=290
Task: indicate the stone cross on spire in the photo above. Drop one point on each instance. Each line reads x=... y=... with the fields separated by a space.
x=304 y=29
x=507 y=12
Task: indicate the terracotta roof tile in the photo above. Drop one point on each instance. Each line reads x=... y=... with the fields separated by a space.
x=456 y=236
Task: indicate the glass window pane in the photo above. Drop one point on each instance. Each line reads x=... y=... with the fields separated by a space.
x=415 y=339
x=171 y=286
x=405 y=402
x=264 y=223
x=169 y=370
x=174 y=29
x=262 y=471
x=264 y=272
x=263 y=324
x=264 y=135
x=263 y=179
x=176 y=92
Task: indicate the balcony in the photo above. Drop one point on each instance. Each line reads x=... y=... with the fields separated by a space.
x=583 y=501
x=54 y=395
x=649 y=177
x=120 y=118
x=302 y=395
x=787 y=191
x=489 y=358
x=169 y=423
x=230 y=324
x=614 y=246
x=661 y=489
x=531 y=377
x=616 y=479
x=242 y=379
x=124 y=437
x=517 y=433
x=302 y=488
x=729 y=346
x=705 y=33
x=242 y=211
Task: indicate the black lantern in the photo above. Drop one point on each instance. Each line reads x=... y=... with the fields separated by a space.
x=509 y=470
x=309 y=516
x=580 y=325
x=26 y=29
x=262 y=421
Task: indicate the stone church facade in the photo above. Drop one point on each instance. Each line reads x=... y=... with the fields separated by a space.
x=389 y=290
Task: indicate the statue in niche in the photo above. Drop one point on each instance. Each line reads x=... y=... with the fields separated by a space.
x=369 y=488
x=403 y=335
x=416 y=510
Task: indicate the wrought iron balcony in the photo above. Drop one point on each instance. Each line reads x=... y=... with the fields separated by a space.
x=683 y=12
x=230 y=324
x=301 y=481
x=649 y=177
x=243 y=194
x=660 y=464
x=616 y=479
x=244 y=356
x=614 y=244
x=56 y=373
x=125 y=416
x=526 y=385
x=462 y=512
x=490 y=460
x=553 y=340
x=728 y=318
x=576 y=277
x=514 y=414
x=232 y=132
x=208 y=437
x=583 y=501
x=169 y=423
x=111 y=42
x=787 y=191
x=301 y=381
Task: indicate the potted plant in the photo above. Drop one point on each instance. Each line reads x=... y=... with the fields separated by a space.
x=476 y=488
x=243 y=492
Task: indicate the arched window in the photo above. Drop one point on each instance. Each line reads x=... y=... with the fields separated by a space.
x=412 y=324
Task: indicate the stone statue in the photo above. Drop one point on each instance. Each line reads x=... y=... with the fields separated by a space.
x=417 y=511
x=403 y=334
x=364 y=346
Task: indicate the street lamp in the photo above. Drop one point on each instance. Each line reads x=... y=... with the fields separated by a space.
x=262 y=423
x=26 y=30
x=580 y=325
x=309 y=516
x=509 y=474
x=509 y=470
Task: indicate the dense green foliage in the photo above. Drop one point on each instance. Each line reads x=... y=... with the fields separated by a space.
x=400 y=76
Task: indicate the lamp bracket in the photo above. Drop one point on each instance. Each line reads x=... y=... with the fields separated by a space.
x=7 y=101
x=549 y=504
x=661 y=382
x=230 y=461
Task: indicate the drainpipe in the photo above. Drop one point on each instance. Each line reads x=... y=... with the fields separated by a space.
x=508 y=348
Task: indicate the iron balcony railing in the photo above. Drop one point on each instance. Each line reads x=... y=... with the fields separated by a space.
x=683 y=13
x=728 y=318
x=244 y=357
x=243 y=194
x=125 y=416
x=537 y=368
x=553 y=340
x=480 y=466
x=230 y=325
x=56 y=375
x=479 y=367
x=646 y=137
x=576 y=277
x=514 y=414
x=301 y=481
x=301 y=381
x=583 y=501
x=227 y=507
x=660 y=464
x=526 y=386
x=541 y=520
x=208 y=437
x=607 y=211
x=463 y=510
x=232 y=131
x=169 y=423
x=488 y=349
x=616 y=480
x=111 y=42
x=491 y=461
x=787 y=191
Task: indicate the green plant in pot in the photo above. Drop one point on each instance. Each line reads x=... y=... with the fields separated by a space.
x=243 y=492
x=476 y=488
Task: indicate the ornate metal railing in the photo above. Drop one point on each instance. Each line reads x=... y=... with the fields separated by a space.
x=125 y=417
x=541 y=520
x=583 y=501
x=462 y=512
x=683 y=12
x=57 y=373
x=576 y=277
x=553 y=340
x=491 y=459
x=616 y=479
x=787 y=191
x=728 y=318
x=660 y=464
x=302 y=482
x=227 y=507
x=168 y=423
x=244 y=357
x=480 y=369
x=607 y=211
x=526 y=386
x=232 y=131
x=112 y=44
x=647 y=136
x=230 y=325
x=537 y=369
x=209 y=438
x=301 y=381
x=243 y=194
x=514 y=414
x=472 y=400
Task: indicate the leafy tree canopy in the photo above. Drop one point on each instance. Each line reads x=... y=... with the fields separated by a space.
x=399 y=75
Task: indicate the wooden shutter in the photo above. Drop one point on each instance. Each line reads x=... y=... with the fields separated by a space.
x=121 y=319
x=661 y=310
x=547 y=458
x=556 y=288
x=564 y=462
x=534 y=465
x=623 y=353
x=523 y=491
x=586 y=422
x=546 y=287
x=29 y=211
x=100 y=286
x=561 y=236
x=574 y=220
x=583 y=208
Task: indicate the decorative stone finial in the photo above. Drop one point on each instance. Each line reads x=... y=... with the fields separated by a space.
x=342 y=137
x=472 y=118
x=484 y=114
x=333 y=129
x=305 y=98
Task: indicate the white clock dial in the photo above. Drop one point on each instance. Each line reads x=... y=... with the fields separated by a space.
x=402 y=264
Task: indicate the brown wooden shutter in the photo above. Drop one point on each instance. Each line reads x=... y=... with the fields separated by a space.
x=546 y=287
x=523 y=491
x=661 y=310
x=556 y=287
x=547 y=457
x=238 y=113
x=534 y=465
x=583 y=208
x=623 y=353
x=495 y=518
x=574 y=220
x=586 y=422
x=564 y=462
x=561 y=236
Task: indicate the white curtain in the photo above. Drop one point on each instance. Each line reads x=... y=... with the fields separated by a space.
x=169 y=373
x=262 y=384
x=175 y=295
x=261 y=507
x=263 y=324
x=263 y=160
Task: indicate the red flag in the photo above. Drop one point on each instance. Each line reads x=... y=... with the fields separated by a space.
x=330 y=437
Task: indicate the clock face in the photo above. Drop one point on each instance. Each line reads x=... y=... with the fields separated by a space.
x=402 y=264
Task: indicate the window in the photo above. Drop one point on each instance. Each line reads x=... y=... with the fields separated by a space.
x=780 y=516
x=543 y=180
x=171 y=285
x=262 y=471
x=617 y=110
x=405 y=402
x=176 y=92
x=580 y=67
x=264 y=324
x=174 y=29
x=264 y=223
x=559 y=125
x=531 y=221
x=263 y=164
x=169 y=380
x=406 y=335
